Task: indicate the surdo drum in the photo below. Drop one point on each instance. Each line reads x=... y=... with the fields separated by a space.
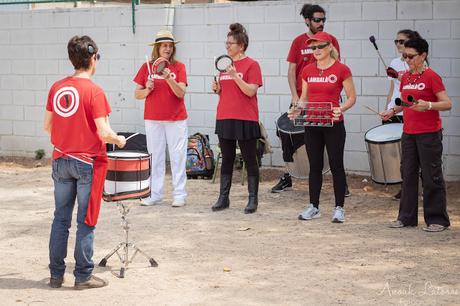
x=384 y=149
x=293 y=137
x=128 y=176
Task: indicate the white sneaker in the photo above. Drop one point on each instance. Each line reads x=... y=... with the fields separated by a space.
x=149 y=202
x=178 y=203
x=339 y=215
x=311 y=212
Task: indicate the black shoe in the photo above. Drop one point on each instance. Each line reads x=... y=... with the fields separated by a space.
x=253 y=190
x=223 y=202
x=285 y=183
x=347 y=192
x=56 y=282
x=397 y=196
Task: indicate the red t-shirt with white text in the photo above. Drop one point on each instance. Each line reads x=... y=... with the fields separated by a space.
x=75 y=103
x=325 y=86
x=233 y=103
x=424 y=87
x=301 y=55
x=162 y=103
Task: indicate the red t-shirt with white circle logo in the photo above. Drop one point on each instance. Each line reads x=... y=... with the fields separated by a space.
x=233 y=103
x=424 y=87
x=75 y=103
x=301 y=55
x=162 y=103
x=326 y=85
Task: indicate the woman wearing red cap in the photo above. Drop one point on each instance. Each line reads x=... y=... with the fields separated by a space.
x=421 y=141
x=165 y=118
x=323 y=81
x=238 y=117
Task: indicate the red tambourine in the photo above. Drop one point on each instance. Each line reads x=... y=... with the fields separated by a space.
x=159 y=65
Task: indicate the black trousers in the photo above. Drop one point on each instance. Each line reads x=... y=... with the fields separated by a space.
x=248 y=151
x=333 y=138
x=423 y=151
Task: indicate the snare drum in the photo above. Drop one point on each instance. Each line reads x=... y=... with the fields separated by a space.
x=384 y=149
x=293 y=146
x=128 y=176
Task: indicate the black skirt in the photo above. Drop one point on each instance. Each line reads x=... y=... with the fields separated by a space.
x=237 y=129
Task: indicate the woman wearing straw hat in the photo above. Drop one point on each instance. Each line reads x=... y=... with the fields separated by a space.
x=165 y=118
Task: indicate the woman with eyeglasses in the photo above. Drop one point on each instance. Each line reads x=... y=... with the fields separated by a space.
x=237 y=117
x=396 y=69
x=421 y=140
x=165 y=118
x=323 y=82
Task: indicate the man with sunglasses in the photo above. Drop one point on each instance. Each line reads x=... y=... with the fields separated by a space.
x=76 y=118
x=300 y=55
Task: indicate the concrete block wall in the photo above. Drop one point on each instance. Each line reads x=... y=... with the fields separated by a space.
x=33 y=56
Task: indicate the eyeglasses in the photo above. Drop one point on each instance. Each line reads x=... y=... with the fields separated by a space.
x=98 y=56
x=229 y=43
x=409 y=56
x=319 y=47
x=399 y=41
x=318 y=20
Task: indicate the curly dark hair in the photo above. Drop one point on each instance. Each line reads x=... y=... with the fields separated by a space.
x=238 y=32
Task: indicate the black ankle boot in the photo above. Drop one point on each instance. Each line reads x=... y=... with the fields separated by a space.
x=223 y=202
x=253 y=189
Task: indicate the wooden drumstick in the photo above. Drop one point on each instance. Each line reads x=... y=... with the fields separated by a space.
x=135 y=134
x=373 y=110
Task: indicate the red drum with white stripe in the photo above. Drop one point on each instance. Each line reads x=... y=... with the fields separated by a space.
x=128 y=176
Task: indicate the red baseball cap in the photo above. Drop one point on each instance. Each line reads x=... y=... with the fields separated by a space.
x=320 y=36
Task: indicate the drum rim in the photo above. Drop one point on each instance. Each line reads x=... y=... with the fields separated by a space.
x=382 y=142
x=142 y=156
x=287 y=132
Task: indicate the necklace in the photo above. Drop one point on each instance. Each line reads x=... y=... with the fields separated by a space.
x=321 y=70
x=416 y=79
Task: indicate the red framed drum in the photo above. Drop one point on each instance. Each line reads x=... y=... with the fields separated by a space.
x=128 y=176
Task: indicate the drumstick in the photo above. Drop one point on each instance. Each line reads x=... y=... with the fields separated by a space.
x=135 y=134
x=148 y=65
x=373 y=110
x=372 y=39
x=215 y=77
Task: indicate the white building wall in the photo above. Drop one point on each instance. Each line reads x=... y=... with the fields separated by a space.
x=33 y=56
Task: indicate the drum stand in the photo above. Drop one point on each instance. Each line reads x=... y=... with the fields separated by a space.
x=125 y=245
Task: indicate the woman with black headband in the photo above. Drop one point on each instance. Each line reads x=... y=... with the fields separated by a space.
x=423 y=96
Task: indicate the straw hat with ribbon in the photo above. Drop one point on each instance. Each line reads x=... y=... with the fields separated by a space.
x=164 y=36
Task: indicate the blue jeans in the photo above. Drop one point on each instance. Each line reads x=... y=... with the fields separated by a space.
x=72 y=179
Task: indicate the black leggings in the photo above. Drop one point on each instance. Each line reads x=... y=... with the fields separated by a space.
x=248 y=151
x=333 y=138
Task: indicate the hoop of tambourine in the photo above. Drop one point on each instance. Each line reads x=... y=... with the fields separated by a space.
x=157 y=67
x=318 y=114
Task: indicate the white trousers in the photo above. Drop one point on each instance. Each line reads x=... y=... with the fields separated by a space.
x=175 y=135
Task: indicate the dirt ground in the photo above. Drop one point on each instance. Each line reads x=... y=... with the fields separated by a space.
x=229 y=258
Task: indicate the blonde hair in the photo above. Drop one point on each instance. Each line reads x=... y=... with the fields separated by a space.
x=334 y=52
x=156 y=52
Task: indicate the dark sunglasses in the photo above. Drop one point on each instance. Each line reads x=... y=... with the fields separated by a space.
x=318 y=20
x=399 y=41
x=319 y=47
x=409 y=56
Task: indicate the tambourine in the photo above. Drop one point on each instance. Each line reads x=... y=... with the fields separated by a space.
x=157 y=67
x=222 y=62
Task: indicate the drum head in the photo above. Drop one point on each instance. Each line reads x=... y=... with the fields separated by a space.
x=300 y=168
x=384 y=133
x=285 y=125
x=126 y=155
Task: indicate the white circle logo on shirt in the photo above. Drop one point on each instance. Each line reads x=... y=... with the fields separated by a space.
x=421 y=86
x=332 y=78
x=66 y=101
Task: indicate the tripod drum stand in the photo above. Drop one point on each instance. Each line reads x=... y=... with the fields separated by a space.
x=128 y=175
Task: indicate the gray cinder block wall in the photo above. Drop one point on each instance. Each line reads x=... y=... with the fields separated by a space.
x=33 y=56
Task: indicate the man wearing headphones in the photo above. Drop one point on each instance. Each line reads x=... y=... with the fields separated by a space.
x=76 y=118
